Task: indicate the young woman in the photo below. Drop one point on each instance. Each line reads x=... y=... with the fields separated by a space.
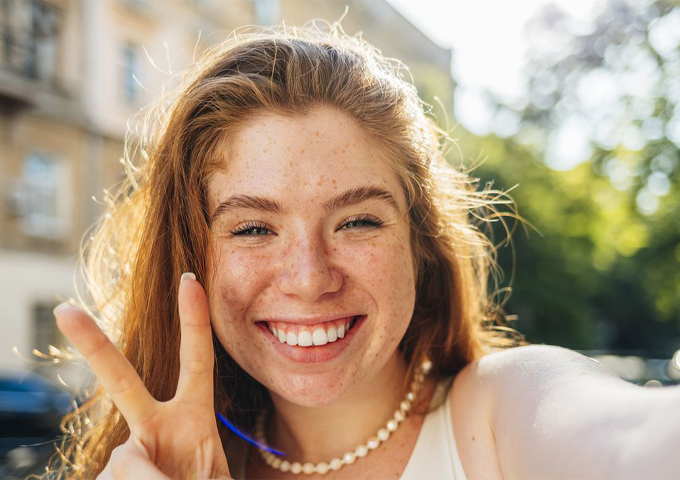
x=333 y=298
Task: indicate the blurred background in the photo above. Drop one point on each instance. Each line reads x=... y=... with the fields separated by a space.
x=573 y=107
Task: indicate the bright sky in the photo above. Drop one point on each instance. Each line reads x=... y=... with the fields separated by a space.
x=486 y=37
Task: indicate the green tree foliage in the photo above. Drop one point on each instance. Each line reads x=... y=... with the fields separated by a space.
x=597 y=165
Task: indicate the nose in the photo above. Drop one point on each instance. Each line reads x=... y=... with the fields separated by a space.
x=307 y=270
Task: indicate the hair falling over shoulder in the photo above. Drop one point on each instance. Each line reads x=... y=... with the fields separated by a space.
x=157 y=225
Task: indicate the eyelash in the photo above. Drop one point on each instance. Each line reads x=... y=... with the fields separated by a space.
x=248 y=226
x=368 y=220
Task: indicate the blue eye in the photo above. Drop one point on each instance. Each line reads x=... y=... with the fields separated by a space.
x=254 y=229
x=363 y=221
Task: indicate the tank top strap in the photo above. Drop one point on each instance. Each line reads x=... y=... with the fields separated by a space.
x=435 y=455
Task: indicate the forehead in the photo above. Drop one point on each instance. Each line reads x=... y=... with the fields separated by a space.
x=315 y=154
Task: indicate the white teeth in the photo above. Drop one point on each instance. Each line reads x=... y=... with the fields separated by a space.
x=291 y=339
x=305 y=339
x=320 y=337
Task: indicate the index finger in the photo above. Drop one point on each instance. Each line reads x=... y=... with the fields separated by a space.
x=113 y=370
x=196 y=355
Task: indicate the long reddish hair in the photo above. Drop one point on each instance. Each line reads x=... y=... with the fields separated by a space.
x=157 y=225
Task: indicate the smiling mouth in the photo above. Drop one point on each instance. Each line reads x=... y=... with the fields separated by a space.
x=311 y=335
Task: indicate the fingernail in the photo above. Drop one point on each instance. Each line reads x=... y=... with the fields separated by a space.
x=186 y=275
x=61 y=307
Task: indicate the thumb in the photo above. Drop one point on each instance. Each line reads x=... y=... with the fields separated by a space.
x=128 y=461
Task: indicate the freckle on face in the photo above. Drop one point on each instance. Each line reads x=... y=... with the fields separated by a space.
x=327 y=148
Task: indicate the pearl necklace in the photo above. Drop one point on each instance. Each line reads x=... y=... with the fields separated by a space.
x=361 y=451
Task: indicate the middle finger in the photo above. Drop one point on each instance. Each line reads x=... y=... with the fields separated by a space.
x=113 y=370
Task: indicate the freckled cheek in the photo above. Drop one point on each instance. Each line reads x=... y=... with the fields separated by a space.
x=385 y=268
x=238 y=280
x=393 y=261
x=395 y=289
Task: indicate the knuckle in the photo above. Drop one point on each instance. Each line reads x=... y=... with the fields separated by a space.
x=198 y=327
x=122 y=384
x=98 y=344
x=197 y=366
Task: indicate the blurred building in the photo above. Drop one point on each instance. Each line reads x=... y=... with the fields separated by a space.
x=71 y=75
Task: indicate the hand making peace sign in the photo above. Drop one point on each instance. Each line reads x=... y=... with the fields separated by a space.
x=173 y=439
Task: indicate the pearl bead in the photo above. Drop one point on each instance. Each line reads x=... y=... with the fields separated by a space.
x=285 y=466
x=296 y=467
x=336 y=463
x=373 y=443
x=383 y=434
x=399 y=416
x=276 y=463
x=308 y=468
x=322 y=468
x=405 y=406
x=361 y=451
x=410 y=396
x=392 y=425
x=348 y=458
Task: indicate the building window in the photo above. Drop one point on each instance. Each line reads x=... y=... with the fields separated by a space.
x=45 y=331
x=131 y=61
x=43 y=197
x=29 y=38
x=45 y=37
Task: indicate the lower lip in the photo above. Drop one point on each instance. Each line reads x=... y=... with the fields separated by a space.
x=314 y=354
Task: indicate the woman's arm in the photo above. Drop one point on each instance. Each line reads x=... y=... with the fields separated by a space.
x=558 y=414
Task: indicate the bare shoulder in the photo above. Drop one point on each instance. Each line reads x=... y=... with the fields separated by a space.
x=545 y=405
x=535 y=366
x=527 y=358
x=530 y=365
x=475 y=395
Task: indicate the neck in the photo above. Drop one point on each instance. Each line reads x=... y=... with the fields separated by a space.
x=303 y=432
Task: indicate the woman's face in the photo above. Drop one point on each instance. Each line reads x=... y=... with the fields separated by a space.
x=310 y=233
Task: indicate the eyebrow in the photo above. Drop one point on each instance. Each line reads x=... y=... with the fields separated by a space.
x=350 y=197
x=247 y=201
x=357 y=195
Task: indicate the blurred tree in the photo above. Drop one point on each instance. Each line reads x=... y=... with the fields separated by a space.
x=596 y=157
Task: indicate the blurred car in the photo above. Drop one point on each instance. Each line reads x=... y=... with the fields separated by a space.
x=31 y=408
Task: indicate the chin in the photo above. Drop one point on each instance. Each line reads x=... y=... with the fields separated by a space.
x=312 y=389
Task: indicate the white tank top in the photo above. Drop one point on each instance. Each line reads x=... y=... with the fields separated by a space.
x=435 y=455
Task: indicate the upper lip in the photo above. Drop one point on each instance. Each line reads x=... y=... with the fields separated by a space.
x=302 y=320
